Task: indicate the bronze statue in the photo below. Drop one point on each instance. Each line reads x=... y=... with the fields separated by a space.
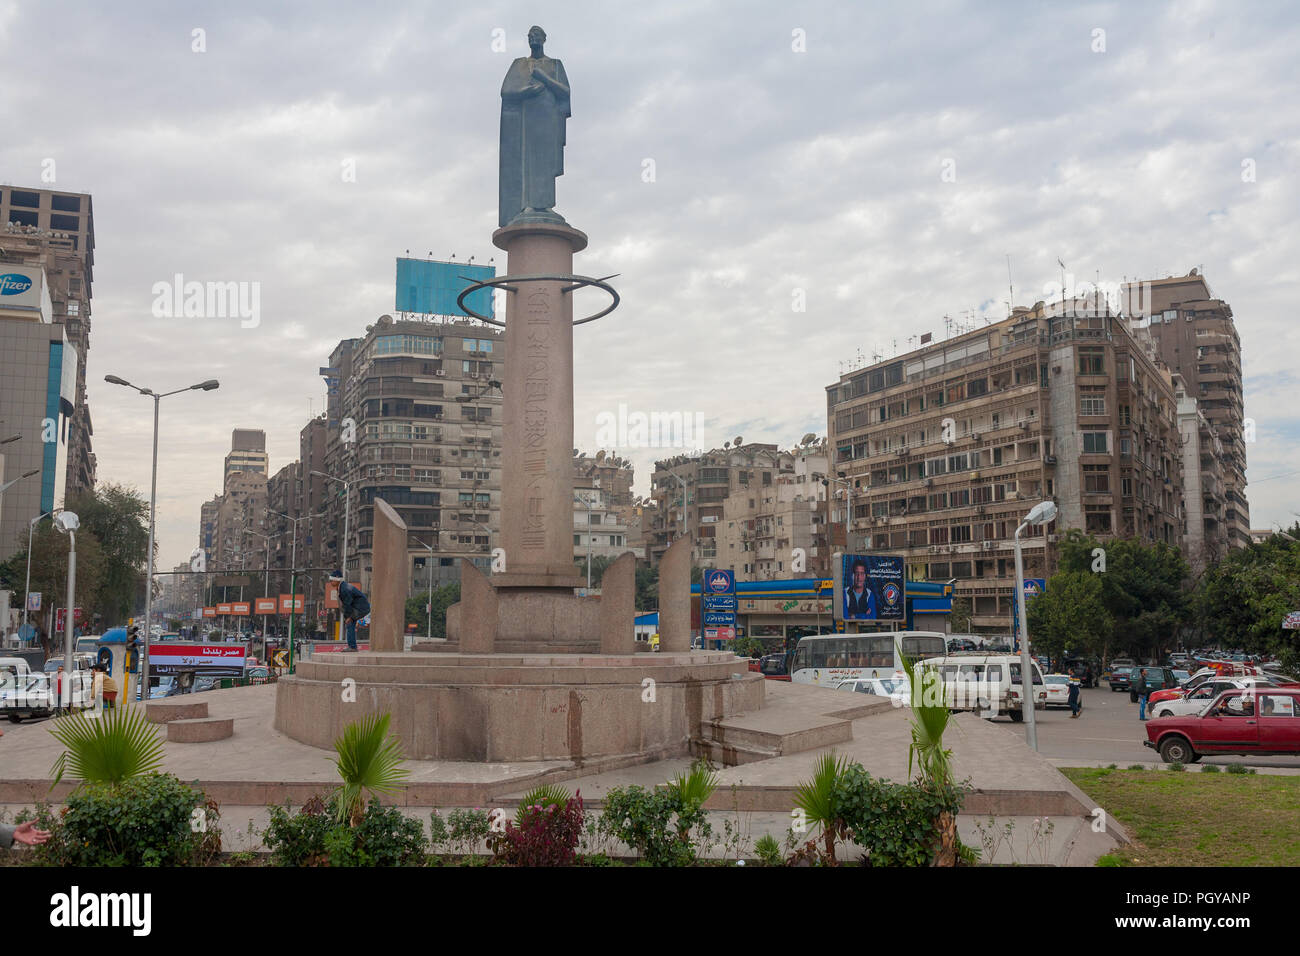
x=534 y=108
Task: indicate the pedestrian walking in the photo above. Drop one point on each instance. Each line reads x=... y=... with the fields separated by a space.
x=1075 y=706
x=354 y=605
x=1142 y=691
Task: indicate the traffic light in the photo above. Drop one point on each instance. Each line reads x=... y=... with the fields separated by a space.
x=130 y=660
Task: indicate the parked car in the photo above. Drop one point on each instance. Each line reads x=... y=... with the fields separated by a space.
x=988 y=684
x=772 y=667
x=897 y=689
x=1058 y=690
x=1196 y=701
x=961 y=644
x=1119 y=678
x=1251 y=722
x=25 y=695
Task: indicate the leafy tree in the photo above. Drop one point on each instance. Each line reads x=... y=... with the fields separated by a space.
x=647 y=589
x=1143 y=588
x=598 y=566
x=1241 y=601
x=960 y=616
x=118 y=517
x=1070 y=616
x=443 y=598
x=50 y=572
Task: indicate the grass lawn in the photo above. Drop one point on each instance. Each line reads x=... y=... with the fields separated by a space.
x=1195 y=819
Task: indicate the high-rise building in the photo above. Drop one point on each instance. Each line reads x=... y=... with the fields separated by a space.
x=1196 y=337
x=414 y=417
x=38 y=387
x=247 y=453
x=948 y=447
x=54 y=230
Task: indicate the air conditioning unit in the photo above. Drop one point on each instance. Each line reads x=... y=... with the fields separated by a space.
x=1024 y=426
x=929 y=482
x=1012 y=495
x=1051 y=538
x=1050 y=460
x=440 y=373
x=987 y=545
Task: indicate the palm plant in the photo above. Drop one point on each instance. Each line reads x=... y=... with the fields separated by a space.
x=816 y=798
x=369 y=760
x=930 y=719
x=110 y=748
x=691 y=791
x=544 y=795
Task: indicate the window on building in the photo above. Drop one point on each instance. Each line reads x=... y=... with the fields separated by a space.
x=1092 y=361
x=1092 y=406
x=1096 y=443
x=1096 y=479
x=20 y=197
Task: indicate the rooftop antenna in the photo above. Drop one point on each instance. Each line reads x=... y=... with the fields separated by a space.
x=1011 y=287
x=947 y=326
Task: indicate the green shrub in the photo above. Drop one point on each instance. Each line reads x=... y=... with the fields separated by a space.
x=111 y=748
x=897 y=824
x=150 y=820
x=313 y=837
x=1176 y=766
x=548 y=835
x=644 y=820
x=467 y=828
x=1240 y=768
x=1136 y=766
x=1211 y=768
x=768 y=850
x=437 y=831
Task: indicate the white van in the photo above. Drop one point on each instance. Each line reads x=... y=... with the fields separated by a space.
x=17 y=666
x=987 y=683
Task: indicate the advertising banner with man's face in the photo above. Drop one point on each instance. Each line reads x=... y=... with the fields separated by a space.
x=871 y=588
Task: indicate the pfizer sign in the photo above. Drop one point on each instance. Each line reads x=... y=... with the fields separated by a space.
x=14 y=283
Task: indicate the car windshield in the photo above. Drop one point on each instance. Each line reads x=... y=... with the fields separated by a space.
x=1057 y=679
x=890 y=685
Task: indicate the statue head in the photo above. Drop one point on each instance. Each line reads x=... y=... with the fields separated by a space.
x=536 y=37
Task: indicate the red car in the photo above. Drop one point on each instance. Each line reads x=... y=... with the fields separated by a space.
x=1265 y=720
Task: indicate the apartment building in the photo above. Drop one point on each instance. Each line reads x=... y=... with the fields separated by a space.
x=599 y=530
x=946 y=448
x=689 y=492
x=780 y=530
x=54 y=231
x=1196 y=337
x=414 y=417
x=247 y=453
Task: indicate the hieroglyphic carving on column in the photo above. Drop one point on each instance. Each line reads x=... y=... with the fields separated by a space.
x=537 y=392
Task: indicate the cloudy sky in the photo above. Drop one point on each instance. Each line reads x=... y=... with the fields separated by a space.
x=724 y=158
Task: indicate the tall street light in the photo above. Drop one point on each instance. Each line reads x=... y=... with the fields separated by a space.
x=429 y=606
x=68 y=523
x=26 y=474
x=347 y=514
x=207 y=386
x=293 y=554
x=31 y=526
x=1043 y=513
x=582 y=499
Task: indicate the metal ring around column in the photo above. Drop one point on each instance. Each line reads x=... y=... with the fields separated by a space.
x=502 y=282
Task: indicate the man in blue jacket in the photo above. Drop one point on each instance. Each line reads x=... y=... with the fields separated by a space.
x=354 y=605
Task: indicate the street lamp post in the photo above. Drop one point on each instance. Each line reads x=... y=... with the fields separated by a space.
x=583 y=499
x=26 y=474
x=266 y=582
x=1043 y=513
x=429 y=606
x=31 y=527
x=293 y=554
x=68 y=523
x=207 y=386
x=347 y=513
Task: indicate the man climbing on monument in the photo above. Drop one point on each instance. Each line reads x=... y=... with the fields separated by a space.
x=354 y=606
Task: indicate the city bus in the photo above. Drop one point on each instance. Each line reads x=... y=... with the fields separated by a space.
x=827 y=659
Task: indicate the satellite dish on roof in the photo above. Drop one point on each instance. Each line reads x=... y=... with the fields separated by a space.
x=385 y=320
x=738 y=440
x=578 y=454
x=726 y=445
x=808 y=439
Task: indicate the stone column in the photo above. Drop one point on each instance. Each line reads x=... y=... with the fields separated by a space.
x=618 y=606
x=389 y=580
x=537 y=428
x=675 y=597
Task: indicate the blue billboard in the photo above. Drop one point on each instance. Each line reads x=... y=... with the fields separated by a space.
x=432 y=287
x=872 y=587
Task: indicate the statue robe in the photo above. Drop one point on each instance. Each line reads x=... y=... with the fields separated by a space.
x=532 y=139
